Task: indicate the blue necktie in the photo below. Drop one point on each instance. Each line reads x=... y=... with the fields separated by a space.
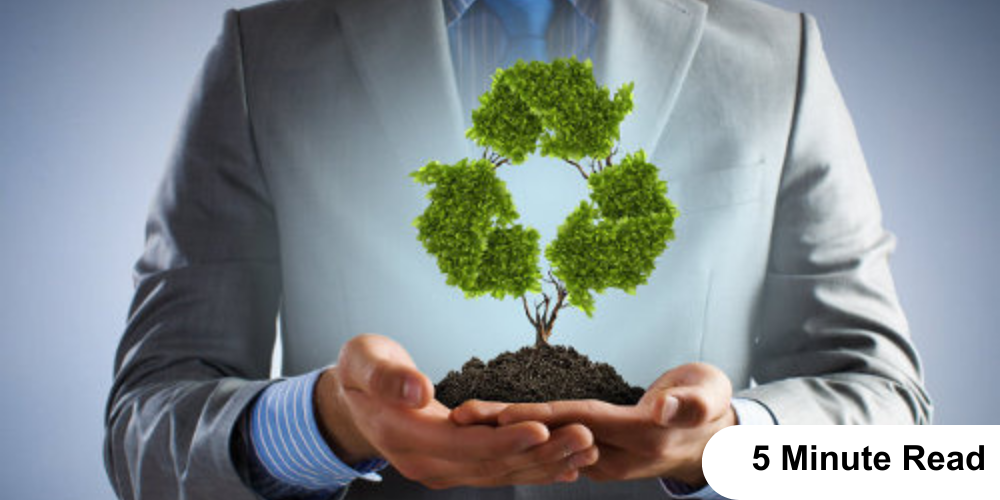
x=525 y=22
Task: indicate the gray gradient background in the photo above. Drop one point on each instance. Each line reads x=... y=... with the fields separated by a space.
x=91 y=94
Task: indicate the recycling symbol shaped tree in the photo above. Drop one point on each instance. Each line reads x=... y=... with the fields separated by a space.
x=611 y=240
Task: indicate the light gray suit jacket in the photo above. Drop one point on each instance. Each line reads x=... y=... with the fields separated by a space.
x=288 y=193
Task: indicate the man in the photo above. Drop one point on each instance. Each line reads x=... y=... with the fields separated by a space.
x=289 y=193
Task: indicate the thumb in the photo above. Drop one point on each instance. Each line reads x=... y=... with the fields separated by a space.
x=688 y=396
x=379 y=367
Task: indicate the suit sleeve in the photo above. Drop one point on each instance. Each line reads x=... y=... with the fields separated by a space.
x=833 y=345
x=197 y=346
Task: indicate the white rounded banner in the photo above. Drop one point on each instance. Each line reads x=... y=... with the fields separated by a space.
x=854 y=461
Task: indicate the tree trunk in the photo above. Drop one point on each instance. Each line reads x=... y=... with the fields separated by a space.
x=544 y=318
x=542 y=337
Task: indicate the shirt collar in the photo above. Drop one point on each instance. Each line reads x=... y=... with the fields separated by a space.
x=455 y=9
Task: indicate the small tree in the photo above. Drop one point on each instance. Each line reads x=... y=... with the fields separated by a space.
x=611 y=240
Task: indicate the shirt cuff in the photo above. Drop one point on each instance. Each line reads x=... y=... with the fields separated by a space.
x=748 y=412
x=287 y=444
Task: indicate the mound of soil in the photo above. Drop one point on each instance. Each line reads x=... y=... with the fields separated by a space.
x=536 y=375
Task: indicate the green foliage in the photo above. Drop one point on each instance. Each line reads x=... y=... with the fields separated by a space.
x=509 y=265
x=468 y=228
x=556 y=106
x=631 y=188
x=613 y=240
x=504 y=121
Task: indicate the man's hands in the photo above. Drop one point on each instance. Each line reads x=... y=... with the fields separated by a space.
x=375 y=403
x=664 y=435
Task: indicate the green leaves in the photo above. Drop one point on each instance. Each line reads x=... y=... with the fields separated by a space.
x=630 y=189
x=468 y=228
x=509 y=265
x=556 y=106
x=614 y=240
x=505 y=122
x=611 y=240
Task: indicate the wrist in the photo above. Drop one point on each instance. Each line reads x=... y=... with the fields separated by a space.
x=691 y=473
x=336 y=423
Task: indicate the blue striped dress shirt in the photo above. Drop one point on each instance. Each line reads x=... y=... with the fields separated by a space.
x=287 y=455
x=479 y=43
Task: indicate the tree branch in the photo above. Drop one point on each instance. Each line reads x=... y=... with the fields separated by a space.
x=546 y=309
x=546 y=314
x=607 y=161
x=561 y=294
x=524 y=300
x=495 y=158
x=552 y=280
x=555 y=312
x=578 y=167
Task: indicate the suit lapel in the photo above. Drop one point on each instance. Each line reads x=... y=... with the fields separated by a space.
x=651 y=43
x=401 y=51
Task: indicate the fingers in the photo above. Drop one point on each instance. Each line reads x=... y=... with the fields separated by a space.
x=475 y=411
x=563 y=443
x=628 y=427
x=617 y=464
x=596 y=415
x=380 y=367
x=559 y=459
x=688 y=396
x=566 y=469
x=430 y=432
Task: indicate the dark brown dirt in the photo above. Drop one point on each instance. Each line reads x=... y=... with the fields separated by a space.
x=536 y=375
